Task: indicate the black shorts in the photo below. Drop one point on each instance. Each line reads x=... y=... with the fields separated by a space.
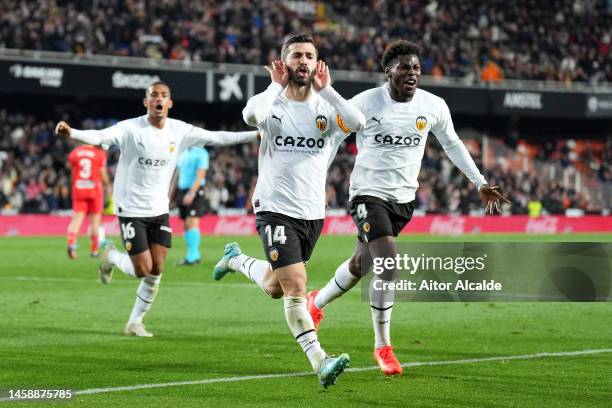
x=287 y=240
x=377 y=218
x=139 y=233
x=197 y=207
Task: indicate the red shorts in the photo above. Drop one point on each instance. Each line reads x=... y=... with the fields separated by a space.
x=88 y=205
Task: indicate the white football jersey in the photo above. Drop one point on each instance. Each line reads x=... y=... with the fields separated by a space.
x=299 y=141
x=392 y=144
x=148 y=159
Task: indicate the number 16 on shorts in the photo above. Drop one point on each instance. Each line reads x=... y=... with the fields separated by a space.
x=128 y=231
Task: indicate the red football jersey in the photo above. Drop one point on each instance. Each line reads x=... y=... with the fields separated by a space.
x=86 y=162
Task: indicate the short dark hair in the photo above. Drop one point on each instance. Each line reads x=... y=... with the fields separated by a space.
x=296 y=38
x=397 y=48
x=157 y=83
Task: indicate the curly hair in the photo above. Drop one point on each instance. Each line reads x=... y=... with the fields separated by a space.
x=397 y=48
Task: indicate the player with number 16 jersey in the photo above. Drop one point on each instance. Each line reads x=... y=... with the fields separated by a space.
x=150 y=146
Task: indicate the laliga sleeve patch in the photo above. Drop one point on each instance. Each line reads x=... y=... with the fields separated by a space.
x=341 y=124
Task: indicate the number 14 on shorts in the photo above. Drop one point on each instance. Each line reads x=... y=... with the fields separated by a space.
x=275 y=233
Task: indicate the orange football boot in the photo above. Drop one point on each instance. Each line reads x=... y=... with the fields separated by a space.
x=387 y=361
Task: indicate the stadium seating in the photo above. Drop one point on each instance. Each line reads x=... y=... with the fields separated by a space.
x=472 y=39
x=561 y=174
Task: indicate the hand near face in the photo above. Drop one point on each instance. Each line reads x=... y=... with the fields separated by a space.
x=279 y=72
x=321 y=76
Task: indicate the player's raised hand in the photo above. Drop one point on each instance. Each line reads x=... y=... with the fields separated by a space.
x=321 y=77
x=63 y=129
x=279 y=72
x=491 y=196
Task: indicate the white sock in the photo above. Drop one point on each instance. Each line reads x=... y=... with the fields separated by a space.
x=301 y=325
x=145 y=295
x=381 y=304
x=122 y=261
x=341 y=283
x=252 y=268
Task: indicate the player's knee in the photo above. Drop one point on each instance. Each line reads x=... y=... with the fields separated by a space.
x=157 y=269
x=274 y=292
x=383 y=248
x=141 y=270
x=355 y=266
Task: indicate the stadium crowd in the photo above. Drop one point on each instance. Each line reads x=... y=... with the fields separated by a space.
x=564 y=40
x=34 y=177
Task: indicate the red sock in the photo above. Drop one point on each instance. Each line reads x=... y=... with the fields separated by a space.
x=71 y=239
x=94 y=243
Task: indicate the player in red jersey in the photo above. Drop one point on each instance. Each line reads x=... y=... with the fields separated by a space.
x=89 y=182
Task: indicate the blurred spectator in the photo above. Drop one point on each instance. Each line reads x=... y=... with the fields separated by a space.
x=568 y=40
x=561 y=173
x=491 y=72
x=534 y=207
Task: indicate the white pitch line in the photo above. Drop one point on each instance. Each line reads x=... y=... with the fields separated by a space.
x=371 y=368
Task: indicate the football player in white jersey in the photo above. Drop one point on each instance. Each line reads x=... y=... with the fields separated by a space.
x=150 y=146
x=302 y=120
x=384 y=182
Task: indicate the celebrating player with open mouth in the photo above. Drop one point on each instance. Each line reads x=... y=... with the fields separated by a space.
x=384 y=182
x=302 y=120
x=150 y=146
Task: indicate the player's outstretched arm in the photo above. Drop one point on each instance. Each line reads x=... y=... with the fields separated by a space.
x=203 y=137
x=454 y=148
x=351 y=117
x=459 y=155
x=106 y=136
x=259 y=106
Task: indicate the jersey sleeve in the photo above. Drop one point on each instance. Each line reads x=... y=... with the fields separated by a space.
x=196 y=136
x=115 y=134
x=259 y=106
x=443 y=129
x=358 y=102
x=454 y=147
x=347 y=117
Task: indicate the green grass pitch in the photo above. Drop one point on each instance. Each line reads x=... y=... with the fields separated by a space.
x=61 y=328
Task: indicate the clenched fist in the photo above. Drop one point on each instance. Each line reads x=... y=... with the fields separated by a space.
x=63 y=129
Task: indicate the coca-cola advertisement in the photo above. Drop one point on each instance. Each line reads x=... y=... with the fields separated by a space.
x=26 y=225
